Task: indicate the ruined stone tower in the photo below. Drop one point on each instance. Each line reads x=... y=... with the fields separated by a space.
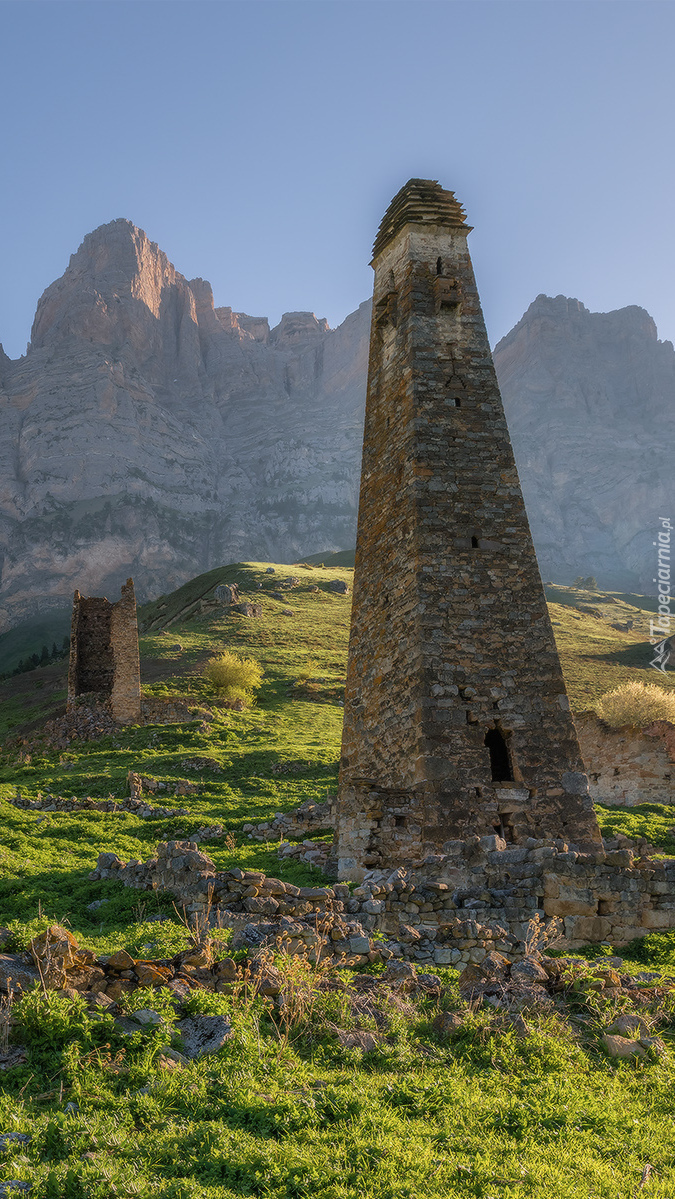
x=456 y=717
x=104 y=653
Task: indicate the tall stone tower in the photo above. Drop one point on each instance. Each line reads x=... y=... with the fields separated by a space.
x=104 y=658
x=456 y=717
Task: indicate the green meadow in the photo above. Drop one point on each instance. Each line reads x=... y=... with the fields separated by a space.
x=283 y=1111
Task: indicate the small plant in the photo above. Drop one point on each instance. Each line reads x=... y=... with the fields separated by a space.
x=234 y=677
x=636 y=704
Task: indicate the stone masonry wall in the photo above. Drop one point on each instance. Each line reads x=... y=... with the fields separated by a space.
x=451 y=641
x=628 y=766
x=104 y=658
x=483 y=895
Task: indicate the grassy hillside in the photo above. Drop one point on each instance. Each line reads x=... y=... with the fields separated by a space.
x=283 y=1111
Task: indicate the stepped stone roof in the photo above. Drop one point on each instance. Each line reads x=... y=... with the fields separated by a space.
x=420 y=202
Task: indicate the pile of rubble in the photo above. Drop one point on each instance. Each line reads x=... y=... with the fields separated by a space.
x=544 y=984
x=57 y=803
x=309 y=817
x=56 y=960
x=513 y=991
x=455 y=909
x=88 y=720
x=314 y=853
x=201 y=764
x=140 y=783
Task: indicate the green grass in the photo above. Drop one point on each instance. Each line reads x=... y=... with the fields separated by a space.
x=292 y=1117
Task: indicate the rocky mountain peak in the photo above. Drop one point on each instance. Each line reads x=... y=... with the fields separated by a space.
x=563 y=316
x=295 y=328
x=148 y=433
x=590 y=402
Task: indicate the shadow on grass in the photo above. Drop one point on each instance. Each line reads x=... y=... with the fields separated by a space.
x=639 y=654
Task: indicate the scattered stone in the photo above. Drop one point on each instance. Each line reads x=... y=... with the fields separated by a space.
x=365 y=1041
x=248 y=609
x=201 y=764
x=447 y=1023
x=654 y=1043
x=227 y=593
x=146 y=1016
x=12 y=1187
x=13 y=1138
x=516 y=1022
x=527 y=971
x=15 y=1056
x=16 y=973
x=171 y=1059
x=628 y=1024
x=621 y=1047
x=203 y=1034
x=401 y=975
x=338 y=586
x=120 y=961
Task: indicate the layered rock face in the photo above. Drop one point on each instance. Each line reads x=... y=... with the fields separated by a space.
x=590 y=403
x=148 y=433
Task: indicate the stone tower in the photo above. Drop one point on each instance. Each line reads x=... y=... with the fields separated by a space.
x=456 y=717
x=104 y=657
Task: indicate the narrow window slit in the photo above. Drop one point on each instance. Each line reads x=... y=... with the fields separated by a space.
x=500 y=761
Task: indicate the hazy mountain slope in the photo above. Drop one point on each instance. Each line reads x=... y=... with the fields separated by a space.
x=148 y=433
x=590 y=402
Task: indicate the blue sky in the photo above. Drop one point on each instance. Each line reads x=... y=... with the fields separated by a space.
x=259 y=143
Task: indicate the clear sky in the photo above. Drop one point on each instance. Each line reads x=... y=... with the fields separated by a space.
x=260 y=141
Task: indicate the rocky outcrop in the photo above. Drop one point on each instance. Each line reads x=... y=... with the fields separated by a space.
x=590 y=402
x=147 y=432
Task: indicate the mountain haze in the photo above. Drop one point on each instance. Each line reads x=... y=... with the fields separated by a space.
x=147 y=432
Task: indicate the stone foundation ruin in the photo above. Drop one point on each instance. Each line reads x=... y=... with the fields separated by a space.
x=104 y=659
x=482 y=895
x=628 y=766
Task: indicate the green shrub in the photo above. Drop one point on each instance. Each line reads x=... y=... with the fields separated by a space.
x=53 y=1021
x=232 y=676
x=637 y=704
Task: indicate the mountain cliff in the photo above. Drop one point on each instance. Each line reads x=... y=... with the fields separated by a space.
x=148 y=432
x=590 y=403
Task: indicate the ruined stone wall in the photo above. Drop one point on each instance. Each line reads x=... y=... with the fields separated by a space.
x=91 y=657
x=456 y=907
x=126 y=688
x=451 y=640
x=628 y=766
x=104 y=658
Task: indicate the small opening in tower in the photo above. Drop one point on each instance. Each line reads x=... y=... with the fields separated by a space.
x=399 y=821
x=474 y=543
x=505 y=828
x=457 y=402
x=387 y=422
x=500 y=762
x=439 y=266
